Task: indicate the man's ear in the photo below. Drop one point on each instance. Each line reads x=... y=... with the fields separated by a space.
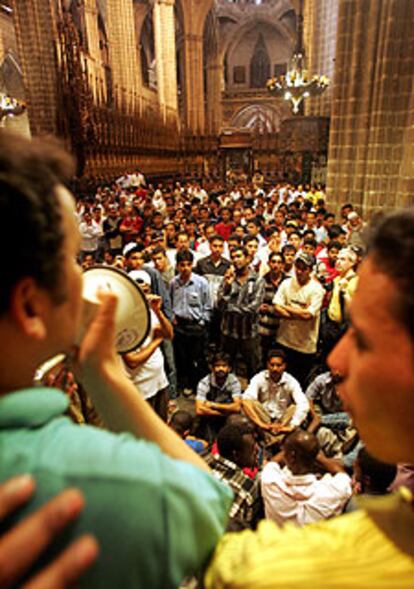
x=28 y=306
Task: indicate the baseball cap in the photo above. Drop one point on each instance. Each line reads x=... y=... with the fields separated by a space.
x=140 y=276
x=305 y=258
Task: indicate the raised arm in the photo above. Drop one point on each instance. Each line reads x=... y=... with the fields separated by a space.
x=115 y=396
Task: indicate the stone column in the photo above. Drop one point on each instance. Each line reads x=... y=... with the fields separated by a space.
x=372 y=104
x=2 y=50
x=214 y=73
x=120 y=24
x=320 y=28
x=194 y=83
x=92 y=31
x=165 y=51
x=35 y=26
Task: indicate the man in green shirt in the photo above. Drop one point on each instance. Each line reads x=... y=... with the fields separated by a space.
x=150 y=501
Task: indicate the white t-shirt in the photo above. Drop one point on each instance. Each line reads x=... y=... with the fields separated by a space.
x=297 y=334
x=302 y=499
x=149 y=378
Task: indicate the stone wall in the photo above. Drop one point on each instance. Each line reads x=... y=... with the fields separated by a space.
x=371 y=140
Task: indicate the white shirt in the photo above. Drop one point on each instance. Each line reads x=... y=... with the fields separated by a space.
x=149 y=378
x=297 y=334
x=203 y=248
x=302 y=499
x=89 y=236
x=276 y=397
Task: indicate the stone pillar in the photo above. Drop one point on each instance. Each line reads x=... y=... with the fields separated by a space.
x=164 y=35
x=194 y=83
x=405 y=186
x=372 y=105
x=214 y=73
x=2 y=50
x=34 y=21
x=92 y=31
x=120 y=24
x=320 y=28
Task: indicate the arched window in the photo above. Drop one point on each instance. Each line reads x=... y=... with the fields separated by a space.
x=259 y=65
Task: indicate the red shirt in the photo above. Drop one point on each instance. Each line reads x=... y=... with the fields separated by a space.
x=225 y=229
x=133 y=225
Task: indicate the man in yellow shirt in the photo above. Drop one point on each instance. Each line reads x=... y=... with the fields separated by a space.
x=373 y=547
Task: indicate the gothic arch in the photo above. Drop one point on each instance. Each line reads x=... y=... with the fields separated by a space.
x=278 y=19
x=260 y=118
x=260 y=64
x=11 y=77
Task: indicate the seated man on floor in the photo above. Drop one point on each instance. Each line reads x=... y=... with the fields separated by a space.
x=329 y=414
x=274 y=400
x=370 y=477
x=237 y=449
x=218 y=395
x=296 y=493
x=182 y=422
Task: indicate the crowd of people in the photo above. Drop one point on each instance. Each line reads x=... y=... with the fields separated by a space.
x=279 y=345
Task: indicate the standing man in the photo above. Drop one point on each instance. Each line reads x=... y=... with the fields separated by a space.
x=226 y=227
x=268 y=319
x=213 y=268
x=191 y=303
x=239 y=299
x=89 y=232
x=374 y=361
x=112 y=233
x=162 y=264
x=298 y=303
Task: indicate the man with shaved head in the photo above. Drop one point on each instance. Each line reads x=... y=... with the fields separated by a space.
x=296 y=493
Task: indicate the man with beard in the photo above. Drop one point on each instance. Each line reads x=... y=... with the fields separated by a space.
x=239 y=299
x=218 y=396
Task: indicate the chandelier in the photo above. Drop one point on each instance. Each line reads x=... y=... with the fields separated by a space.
x=296 y=85
x=10 y=107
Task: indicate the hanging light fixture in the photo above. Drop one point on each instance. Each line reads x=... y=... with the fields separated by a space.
x=10 y=107
x=296 y=85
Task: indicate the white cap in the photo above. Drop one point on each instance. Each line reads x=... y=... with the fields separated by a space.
x=140 y=276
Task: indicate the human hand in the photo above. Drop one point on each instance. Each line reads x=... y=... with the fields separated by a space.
x=27 y=540
x=155 y=302
x=158 y=333
x=97 y=347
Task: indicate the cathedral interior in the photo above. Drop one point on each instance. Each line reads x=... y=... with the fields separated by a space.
x=180 y=88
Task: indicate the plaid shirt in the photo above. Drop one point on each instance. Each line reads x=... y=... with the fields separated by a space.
x=268 y=321
x=239 y=304
x=247 y=505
